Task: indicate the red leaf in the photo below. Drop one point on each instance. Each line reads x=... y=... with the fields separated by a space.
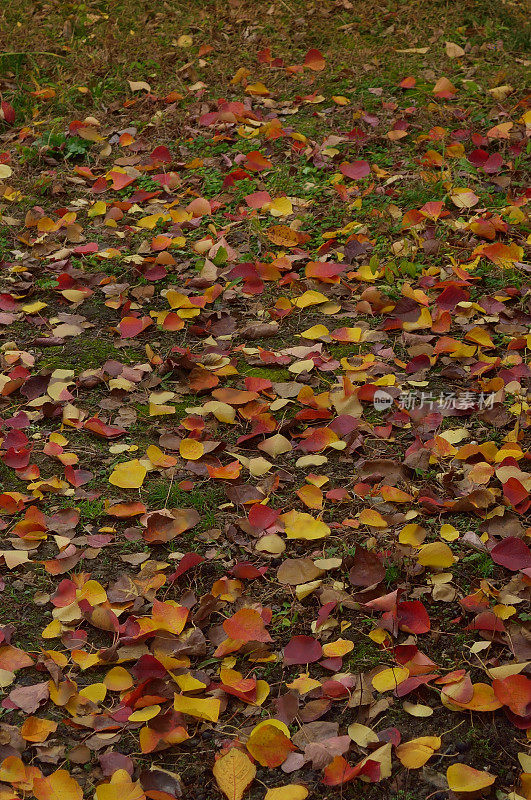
x=339 y=772
x=478 y=157
x=514 y=692
x=246 y=571
x=257 y=162
x=517 y=495
x=413 y=617
x=188 y=561
x=355 y=170
x=132 y=326
x=257 y=199
x=8 y=112
x=161 y=154
x=302 y=650
x=120 y=180
x=512 y=553
x=95 y=425
x=262 y=517
x=493 y=163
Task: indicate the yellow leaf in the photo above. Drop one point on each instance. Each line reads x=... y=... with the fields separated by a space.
x=128 y=475
x=33 y=308
x=480 y=336
x=362 y=735
x=424 y=321
x=93 y=592
x=191 y=449
x=6 y=678
x=201 y=708
x=118 y=679
x=257 y=89
x=508 y=669
x=98 y=209
x=437 y=555
x=95 y=692
x=339 y=648
x=389 y=678
x=417 y=709
x=315 y=332
x=412 y=534
x=311 y=496
x=150 y=222
x=311 y=461
x=383 y=756
x=262 y=692
x=415 y=753
x=373 y=518
x=222 y=411
x=158 y=458
x=299 y=525
x=144 y=714
x=120 y=787
x=301 y=366
x=310 y=298
x=258 y=466
x=378 y=635
x=293 y=791
x=240 y=75
x=448 y=533
x=52 y=630
x=280 y=207
x=160 y=410
x=271 y=543
x=462 y=778
x=455 y=435
x=234 y=772
x=305 y=589
x=304 y=684
x=276 y=723
x=14 y=558
x=503 y=611
x=276 y=445
x=187 y=683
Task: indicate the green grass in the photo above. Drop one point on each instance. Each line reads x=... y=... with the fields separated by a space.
x=205 y=499
x=92 y=355
x=102 y=51
x=481 y=564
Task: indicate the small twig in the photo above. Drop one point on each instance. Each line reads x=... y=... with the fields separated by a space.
x=33 y=53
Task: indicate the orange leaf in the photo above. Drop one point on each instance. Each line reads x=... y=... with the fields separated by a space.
x=246 y=625
x=11 y=658
x=314 y=60
x=57 y=786
x=35 y=729
x=269 y=745
x=234 y=772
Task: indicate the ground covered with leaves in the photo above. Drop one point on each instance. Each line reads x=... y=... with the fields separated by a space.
x=264 y=401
